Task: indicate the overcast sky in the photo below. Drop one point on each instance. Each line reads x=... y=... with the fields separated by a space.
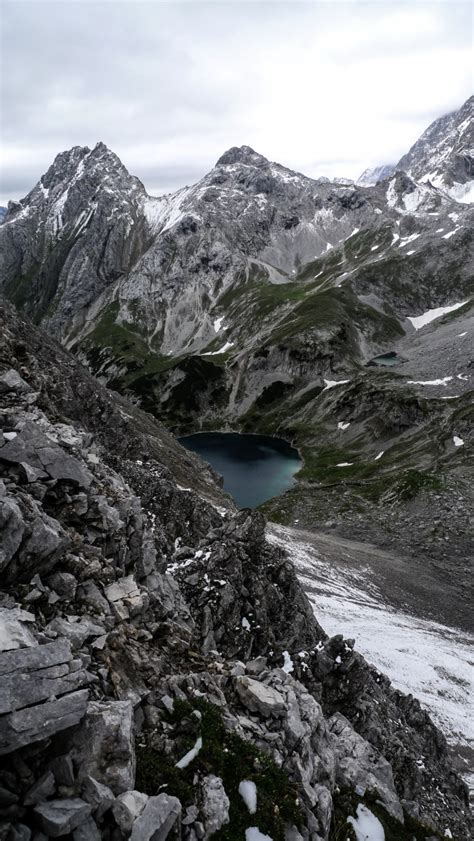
x=327 y=88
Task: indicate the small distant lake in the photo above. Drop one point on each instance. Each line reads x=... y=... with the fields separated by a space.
x=254 y=467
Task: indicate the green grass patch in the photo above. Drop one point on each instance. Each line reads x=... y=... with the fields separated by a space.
x=227 y=756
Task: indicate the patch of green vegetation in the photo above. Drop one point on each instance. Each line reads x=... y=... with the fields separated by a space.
x=226 y=755
x=412 y=482
x=320 y=465
x=19 y=290
x=345 y=803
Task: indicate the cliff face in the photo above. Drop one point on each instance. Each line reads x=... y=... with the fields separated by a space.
x=156 y=651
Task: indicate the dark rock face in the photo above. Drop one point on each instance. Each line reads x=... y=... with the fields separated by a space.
x=159 y=619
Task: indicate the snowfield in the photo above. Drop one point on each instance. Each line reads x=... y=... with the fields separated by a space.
x=431 y=661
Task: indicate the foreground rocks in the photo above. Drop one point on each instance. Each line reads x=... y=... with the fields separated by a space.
x=155 y=651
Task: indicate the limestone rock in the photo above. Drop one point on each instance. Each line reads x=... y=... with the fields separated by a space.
x=99 y=796
x=14 y=630
x=360 y=764
x=258 y=697
x=104 y=745
x=127 y=808
x=60 y=817
x=215 y=804
x=160 y=815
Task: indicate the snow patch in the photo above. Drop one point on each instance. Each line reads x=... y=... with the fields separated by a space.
x=248 y=793
x=332 y=383
x=366 y=826
x=419 y=321
x=221 y=350
x=451 y=233
x=254 y=834
x=288 y=666
x=458 y=442
x=218 y=323
x=345 y=464
x=342 y=425
x=442 y=381
x=379 y=455
x=190 y=755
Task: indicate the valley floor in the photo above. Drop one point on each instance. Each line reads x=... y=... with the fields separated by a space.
x=368 y=594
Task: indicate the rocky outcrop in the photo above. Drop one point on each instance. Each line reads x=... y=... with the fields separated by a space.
x=135 y=699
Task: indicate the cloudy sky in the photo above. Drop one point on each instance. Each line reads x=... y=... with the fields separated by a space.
x=326 y=88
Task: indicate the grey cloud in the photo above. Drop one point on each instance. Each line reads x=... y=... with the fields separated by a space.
x=170 y=86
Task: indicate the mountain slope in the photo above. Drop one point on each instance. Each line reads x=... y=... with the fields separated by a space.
x=123 y=603
x=258 y=299
x=444 y=154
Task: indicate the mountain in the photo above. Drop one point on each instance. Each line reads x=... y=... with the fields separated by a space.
x=372 y=176
x=260 y=299
x=163 y=673
x=444 y=154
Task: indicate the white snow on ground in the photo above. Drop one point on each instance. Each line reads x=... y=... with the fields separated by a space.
x=328 y=246
x=419 y=321
x=342 y=425
x=444 y=381
x=345 y=464
x=221 y=350
x=462 y=377
x=458 y=442
x=431 y=661
x=254 y=834
x=395 y=238
x=287 y=663
x=190 y=755
x=248 y=793
x=332 y=383
x=406 y=240
x=166 y=211
x=410 y=252
x=463 y=193
x=451 y=233
x=462 y=334
x=218 y=323
x=379 y=455
x=366 y=826
x=245 y=623
x=375 y=247
x=354 y=232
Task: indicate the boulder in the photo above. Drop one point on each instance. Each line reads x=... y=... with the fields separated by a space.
x=60 y=817
x=99 y=796
x=32 y=447
x=39 y=693
x=215 y=804
x=358 y=763
x=158 y=818
x=259 y=698
x=14 y=630
x=104 y=747
x=87 y=831
x=127 y=808
x=42 y=788
x=12 y=381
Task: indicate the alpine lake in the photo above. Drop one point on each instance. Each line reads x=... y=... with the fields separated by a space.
x=254 y=467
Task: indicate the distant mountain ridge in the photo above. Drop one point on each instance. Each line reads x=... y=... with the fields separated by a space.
x=235 y=301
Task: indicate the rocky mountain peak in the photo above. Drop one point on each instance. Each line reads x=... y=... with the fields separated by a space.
x=444 y=154
x=373 y=175
x=242 y=155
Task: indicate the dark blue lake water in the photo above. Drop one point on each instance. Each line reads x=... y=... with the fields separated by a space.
x=255 y=467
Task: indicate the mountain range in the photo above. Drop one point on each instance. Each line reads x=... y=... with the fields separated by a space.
x=258 y=299
x=164 y=669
